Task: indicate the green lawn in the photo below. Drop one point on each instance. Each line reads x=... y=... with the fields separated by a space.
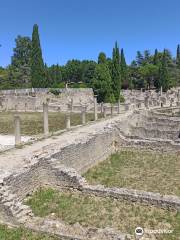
x=103 y=212
x=142 y=170
x=7 y=233
x=32 y=123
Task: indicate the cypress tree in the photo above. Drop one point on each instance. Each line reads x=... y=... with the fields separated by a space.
x=116 y=72
x=155 y=59
x=178 y=56
x=37 y=66
x=124 y=72
x=163 y=73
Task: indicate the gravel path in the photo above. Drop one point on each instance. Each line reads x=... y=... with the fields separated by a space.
x=8 y=141
x=17 y=158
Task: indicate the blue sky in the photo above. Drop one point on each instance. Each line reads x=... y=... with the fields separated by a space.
x=80 y=29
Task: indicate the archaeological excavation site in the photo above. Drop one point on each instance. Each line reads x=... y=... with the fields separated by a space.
x=75 y=168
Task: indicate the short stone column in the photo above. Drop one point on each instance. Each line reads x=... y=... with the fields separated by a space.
x=95 y=108
x=102 y=107
x=83 y=115
x=112 y=109
x=105 y=112
x=119 y=107
x=68 y=121
x=71 y=105
x=146 y=102
x=171 y=102
x=17 y=130
x=45 y=117
x=161 y=92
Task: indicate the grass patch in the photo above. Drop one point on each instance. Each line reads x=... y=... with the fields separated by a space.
x=103 y=212
x=142 y=170
x=7 y=233
x=32 y=123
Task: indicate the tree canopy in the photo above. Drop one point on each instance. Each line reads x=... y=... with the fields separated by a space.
x=107 y=75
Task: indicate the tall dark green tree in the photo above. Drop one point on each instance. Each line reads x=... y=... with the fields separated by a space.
x=20 y=69
x=178 y=56
x=124 y=71
x=164 y=79
x=37 y=65
x=156 y=58
x=102 y=83
x=116 y=72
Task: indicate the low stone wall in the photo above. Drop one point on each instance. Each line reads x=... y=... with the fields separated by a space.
x=84 y=155
x=75 y=181
x=152 y=124
x=80 y=156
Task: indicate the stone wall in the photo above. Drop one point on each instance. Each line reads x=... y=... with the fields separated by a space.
x=80 y=156
x=28 y=99
x=153 y=124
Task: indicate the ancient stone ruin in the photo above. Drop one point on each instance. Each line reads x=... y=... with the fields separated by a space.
x=146 y=120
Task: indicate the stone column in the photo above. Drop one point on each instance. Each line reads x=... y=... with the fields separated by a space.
x=17 y=130
x=95 y=108
x=112 y=109
x=102 y=107
x=7 y=104
x=83 y=115
x=171 y=102
x=146 y=102
x=71 y=106
x=45 y=116
x=119 y=107
x=68 y=121
x=104 y=112
x=161 y=92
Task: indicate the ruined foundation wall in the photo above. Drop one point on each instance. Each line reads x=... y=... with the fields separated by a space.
x=80 y=156
x=153 y=125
